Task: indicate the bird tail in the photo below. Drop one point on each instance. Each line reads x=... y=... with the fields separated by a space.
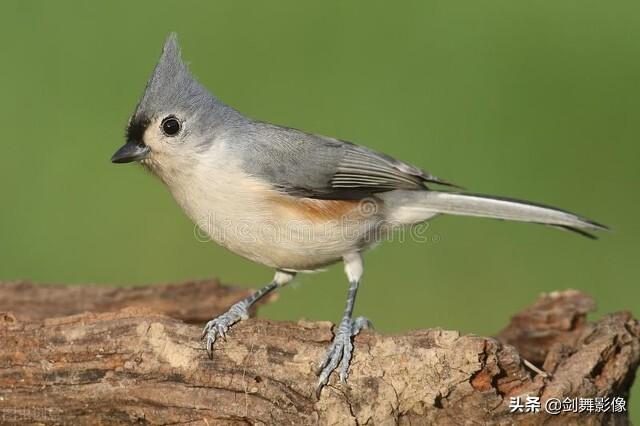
x=408 y=207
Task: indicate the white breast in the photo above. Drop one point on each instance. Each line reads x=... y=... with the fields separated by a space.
x=250 y=218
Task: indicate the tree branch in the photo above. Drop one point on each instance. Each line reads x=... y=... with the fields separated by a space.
x=135 y=364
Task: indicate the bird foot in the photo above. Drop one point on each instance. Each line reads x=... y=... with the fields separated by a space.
x=219 y=326
x=340 y=351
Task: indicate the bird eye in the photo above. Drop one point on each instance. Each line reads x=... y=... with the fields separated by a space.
x=170 y=126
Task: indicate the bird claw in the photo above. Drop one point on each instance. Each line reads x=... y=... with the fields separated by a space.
x=340 y=351
x=219 y=326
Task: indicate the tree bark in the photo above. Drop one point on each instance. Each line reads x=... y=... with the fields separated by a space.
x=133 y=358
x=194 y=301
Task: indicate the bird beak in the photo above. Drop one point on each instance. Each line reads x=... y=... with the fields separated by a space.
x=129 y=152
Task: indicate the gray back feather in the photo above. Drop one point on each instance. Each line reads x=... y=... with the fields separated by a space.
x=315 y=166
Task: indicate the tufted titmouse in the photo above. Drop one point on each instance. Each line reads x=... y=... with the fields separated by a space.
x=288 y=199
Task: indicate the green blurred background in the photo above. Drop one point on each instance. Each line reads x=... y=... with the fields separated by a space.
x=537 y=100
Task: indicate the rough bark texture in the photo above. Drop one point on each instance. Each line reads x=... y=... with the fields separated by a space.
x=192 y=301
x=137 y=365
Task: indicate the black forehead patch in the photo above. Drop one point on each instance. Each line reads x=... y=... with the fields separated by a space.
x=136 y=129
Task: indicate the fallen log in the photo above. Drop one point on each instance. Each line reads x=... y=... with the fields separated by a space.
x=194 y=301
x=137 y=362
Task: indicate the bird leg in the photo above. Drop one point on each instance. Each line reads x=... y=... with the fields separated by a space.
x=341 y=348
x=219 y=326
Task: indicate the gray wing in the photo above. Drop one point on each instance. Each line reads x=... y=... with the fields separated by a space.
x=320 y=167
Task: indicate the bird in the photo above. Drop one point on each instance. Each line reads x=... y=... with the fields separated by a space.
x=291 y=200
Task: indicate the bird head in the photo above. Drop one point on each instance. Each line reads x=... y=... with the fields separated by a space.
x=176 y=117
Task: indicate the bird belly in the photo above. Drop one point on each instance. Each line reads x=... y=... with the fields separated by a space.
x=250 y=218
